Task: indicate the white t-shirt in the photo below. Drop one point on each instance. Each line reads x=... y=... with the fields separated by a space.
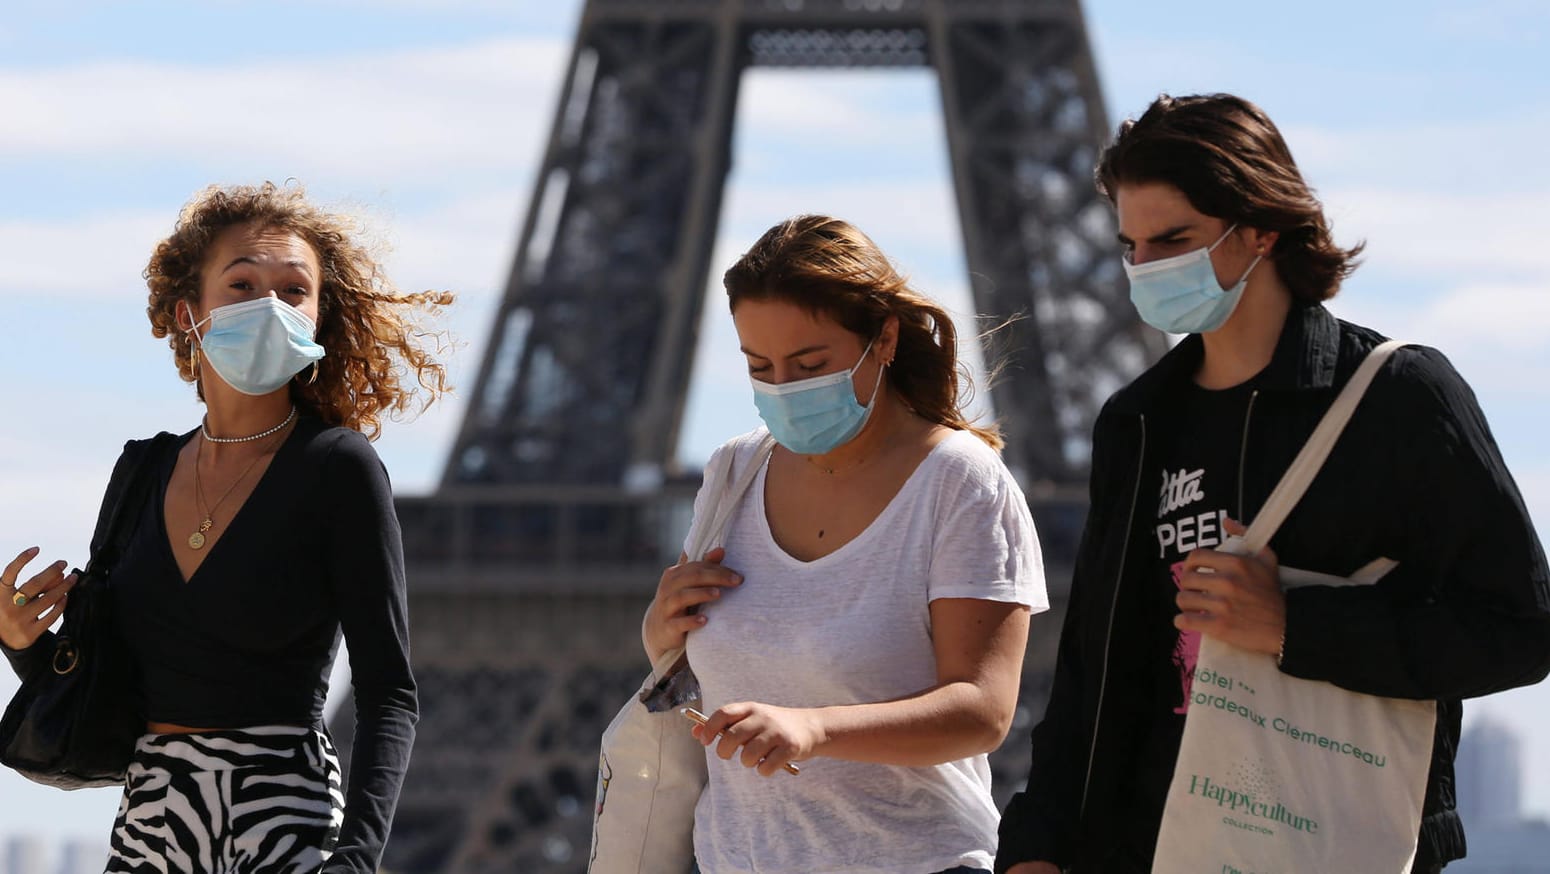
x=854 y=627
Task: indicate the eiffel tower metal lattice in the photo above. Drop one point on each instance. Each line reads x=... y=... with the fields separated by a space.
x=560 y=503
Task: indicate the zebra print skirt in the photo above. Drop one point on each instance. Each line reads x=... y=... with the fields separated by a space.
x=253 y=800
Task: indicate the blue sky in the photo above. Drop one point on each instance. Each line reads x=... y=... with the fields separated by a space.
x=1422 y=124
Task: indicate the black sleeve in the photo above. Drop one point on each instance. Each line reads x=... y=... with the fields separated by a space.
x=1467 y=611
x=1039 y=822
x=366 y=570
x=25 y=662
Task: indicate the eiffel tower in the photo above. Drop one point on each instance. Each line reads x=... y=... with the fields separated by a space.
x=560 y=504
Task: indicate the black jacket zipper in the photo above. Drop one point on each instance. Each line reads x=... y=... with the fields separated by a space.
x=1108 y=635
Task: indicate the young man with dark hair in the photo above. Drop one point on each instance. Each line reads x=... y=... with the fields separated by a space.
x=1225 y=242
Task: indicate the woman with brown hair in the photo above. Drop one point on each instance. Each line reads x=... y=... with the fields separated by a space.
x=268 y=530
x=869 y=610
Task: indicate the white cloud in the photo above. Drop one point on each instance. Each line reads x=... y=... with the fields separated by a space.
x=1414 y=232
x=431 y=113
x=914 y=220
x=1450 y=155
x=1504 y=318
x=1458 y=155
x=464 y=244
x=1451 y=198
x=860 y=109
x=99 y=254
x=454 y=6
x=1494 y=334
x=1517 y=24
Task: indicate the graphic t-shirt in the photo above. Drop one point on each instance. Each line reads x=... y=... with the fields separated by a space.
x=1196 y=490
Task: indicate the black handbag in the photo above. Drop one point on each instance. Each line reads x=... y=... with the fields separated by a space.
x=74 y=721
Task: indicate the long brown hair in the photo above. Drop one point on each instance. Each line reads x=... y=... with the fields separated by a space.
x=829 y=267
x=371 y=331
x=1229 y=159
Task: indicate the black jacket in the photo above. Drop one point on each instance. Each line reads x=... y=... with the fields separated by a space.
x=1416 y=477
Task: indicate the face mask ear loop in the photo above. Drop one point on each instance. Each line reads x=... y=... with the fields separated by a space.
x=1252 y=264
x=1225 y=235
x=193 y=325
x=877 y=386
x=193 y=347
x=862 y=360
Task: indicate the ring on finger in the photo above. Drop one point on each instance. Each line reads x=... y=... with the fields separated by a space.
x=20 y=599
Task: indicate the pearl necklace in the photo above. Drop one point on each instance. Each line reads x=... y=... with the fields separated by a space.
x=259 y=436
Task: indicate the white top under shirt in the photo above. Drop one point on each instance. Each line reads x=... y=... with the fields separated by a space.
x=854 y=627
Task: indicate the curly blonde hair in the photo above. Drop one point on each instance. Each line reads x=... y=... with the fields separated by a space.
x=371 y=331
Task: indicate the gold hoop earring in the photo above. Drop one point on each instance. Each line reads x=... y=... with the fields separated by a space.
x=193 y=361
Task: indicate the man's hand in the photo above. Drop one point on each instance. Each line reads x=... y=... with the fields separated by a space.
x=1234 y=598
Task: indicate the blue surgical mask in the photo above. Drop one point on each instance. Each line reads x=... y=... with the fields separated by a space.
x=818 y=415
x=257 y=346
x=1180 y=295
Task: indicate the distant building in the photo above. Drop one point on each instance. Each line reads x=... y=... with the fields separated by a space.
x=1489 y=769
x=83 y=856
x=26 y=854
x=1522 y=849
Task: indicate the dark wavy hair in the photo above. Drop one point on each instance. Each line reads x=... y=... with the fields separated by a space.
x=1230 y=161
x=829 y=267
x=370 y=330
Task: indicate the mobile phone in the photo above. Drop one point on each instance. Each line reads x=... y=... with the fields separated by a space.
x=699 y=718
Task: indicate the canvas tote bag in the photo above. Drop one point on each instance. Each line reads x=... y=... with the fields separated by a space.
x=1280 y=775
x=651 y=770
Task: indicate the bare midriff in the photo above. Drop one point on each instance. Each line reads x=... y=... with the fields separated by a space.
x=173 y=728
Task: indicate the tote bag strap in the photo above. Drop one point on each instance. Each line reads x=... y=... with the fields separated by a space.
x=705 y=537
x=708 y=535
x=1309 y=461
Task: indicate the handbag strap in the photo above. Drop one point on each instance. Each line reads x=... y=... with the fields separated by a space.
x=1311 y=459
x=704 y=537
x=129 y=498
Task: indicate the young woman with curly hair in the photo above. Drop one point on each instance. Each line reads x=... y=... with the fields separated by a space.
x=268 y=530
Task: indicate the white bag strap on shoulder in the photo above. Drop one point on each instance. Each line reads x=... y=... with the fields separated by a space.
x=1314 y=453
x=705 y=537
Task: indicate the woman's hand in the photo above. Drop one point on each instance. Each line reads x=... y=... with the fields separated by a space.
x=684 y=587
x=1234 y=598
x=42 y=597
x=769 y=736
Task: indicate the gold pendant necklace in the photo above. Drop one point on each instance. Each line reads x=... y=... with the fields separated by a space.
x=197 y=539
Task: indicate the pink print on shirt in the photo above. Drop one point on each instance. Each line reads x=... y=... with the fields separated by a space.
x=1182 y=528
x=1186 y=651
